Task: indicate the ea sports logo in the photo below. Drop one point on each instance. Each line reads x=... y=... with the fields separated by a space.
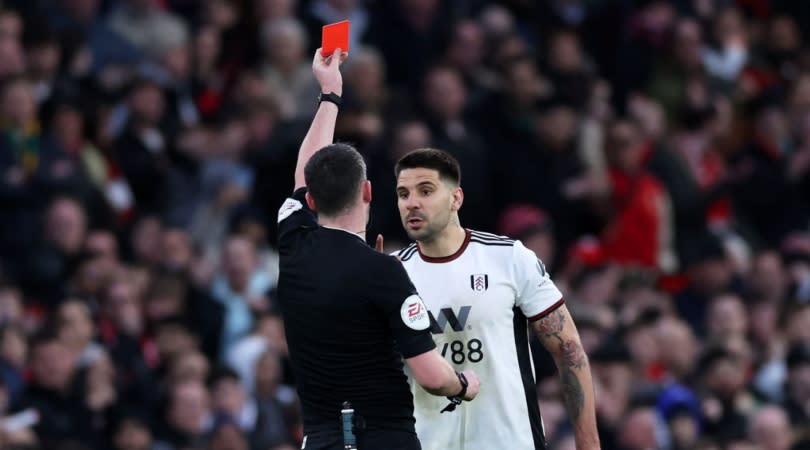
x=414 y=313
x=414 y=309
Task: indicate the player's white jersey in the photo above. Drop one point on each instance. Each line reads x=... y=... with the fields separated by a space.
x=480 y=301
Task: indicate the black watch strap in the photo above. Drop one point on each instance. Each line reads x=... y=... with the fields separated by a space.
x=458 y=398
x=330 y=97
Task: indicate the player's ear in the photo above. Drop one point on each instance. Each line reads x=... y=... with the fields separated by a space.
x=366 y=189
x=458 y=198
x=311 y=202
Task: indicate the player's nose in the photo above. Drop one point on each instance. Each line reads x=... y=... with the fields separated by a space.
x=412 y=203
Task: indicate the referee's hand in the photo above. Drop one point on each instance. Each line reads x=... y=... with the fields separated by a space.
x=327 y=71
x=473 y=384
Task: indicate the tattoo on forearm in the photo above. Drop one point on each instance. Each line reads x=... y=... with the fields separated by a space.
x=551 y=325
x=570 y=360
x=571 y=351
x=572 y=393
x=572 y=354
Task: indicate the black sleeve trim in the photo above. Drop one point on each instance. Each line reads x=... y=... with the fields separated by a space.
x=547 y=311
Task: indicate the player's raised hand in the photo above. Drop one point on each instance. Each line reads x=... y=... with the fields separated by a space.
x=327 y=71
x=473 y=384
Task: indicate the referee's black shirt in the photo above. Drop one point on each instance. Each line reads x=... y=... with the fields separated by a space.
x=350 y=314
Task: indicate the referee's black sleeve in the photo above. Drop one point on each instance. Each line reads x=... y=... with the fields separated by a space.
x=401 y=305
x=294 y=218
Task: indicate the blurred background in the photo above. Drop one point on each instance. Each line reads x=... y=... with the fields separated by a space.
x=655 y=154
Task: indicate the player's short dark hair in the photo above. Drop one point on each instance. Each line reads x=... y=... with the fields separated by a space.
x=333 y=176
x=431 y=158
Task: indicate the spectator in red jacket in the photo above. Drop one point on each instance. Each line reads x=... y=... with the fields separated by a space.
x=640 y=230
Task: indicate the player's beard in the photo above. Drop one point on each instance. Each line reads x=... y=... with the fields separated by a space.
x=431 y=229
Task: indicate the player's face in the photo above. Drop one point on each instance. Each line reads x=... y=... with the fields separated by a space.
x=426 y=203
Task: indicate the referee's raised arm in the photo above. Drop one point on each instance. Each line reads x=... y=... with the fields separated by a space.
x=322 y=131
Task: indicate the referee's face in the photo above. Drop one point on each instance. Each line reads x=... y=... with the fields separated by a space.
x=426 y=203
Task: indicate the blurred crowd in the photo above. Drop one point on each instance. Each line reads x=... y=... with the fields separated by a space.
x=655 y=154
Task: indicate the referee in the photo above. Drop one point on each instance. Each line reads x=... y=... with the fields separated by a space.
x=351 y=314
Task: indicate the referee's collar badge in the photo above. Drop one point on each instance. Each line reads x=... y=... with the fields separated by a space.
x=479 y=282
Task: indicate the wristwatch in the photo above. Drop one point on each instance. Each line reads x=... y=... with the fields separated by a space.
x=330 y=97
x=458 y=398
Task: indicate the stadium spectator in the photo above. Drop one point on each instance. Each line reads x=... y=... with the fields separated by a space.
x=368 y=102
x=770 y=429
x=533 y=227
x=13 y=360
x=231 y=401
x=241 y=289
x=56 y=392
x=638 y=431
x=279 y=407
x=797 y=391
x=76 y=330
x=132 y=433
x=640 y=206
x=188 y=417
x=286 y=71
x=143 y=151
x=132 y=18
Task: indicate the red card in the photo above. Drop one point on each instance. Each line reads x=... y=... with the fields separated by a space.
x=335 y=35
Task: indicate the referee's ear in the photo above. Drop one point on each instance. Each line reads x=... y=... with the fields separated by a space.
x=366 y=188
x=311 y=203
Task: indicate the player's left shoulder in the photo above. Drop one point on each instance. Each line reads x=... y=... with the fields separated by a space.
x=406 y=253
x=491 y=240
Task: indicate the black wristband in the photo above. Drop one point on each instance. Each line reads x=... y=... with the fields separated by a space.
x=458 y=398
x=331 y=97
x=464 y=383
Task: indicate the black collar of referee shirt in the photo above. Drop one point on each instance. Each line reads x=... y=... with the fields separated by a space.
x=358 y=235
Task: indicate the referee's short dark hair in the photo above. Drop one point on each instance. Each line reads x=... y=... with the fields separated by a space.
x=431 y=158
x=333 y=176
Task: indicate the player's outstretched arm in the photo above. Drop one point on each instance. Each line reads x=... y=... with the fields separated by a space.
x=559 y=336
x=322 y=131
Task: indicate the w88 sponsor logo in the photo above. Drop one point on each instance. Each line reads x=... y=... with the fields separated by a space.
x=448 y=316
x=458 y=351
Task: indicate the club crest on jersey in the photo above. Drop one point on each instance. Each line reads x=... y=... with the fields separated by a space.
x=479 y=282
